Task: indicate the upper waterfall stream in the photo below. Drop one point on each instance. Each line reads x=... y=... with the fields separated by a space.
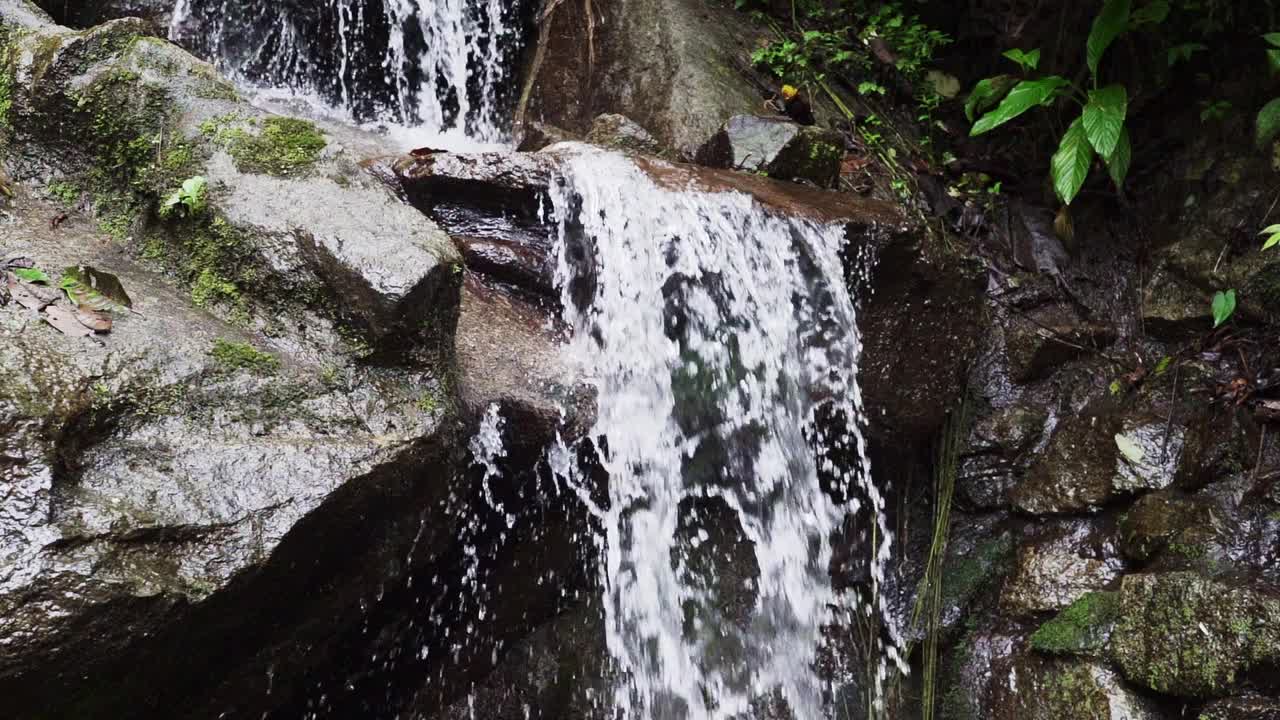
x=432 y=72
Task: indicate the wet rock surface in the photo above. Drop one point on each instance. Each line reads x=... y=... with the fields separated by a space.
x=681 y=94
x=777 y=147
x=618 y=132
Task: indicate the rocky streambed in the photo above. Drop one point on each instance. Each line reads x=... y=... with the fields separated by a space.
x=258 y=496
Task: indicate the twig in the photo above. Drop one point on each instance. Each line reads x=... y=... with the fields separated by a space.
x=1058 y=337
x=1262 y=444
x=1173 y=405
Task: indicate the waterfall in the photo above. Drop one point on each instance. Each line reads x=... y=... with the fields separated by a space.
x=718 y=337
x=432 y=72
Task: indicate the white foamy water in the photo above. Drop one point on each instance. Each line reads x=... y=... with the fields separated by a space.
x=714 y=331
x=428 y=72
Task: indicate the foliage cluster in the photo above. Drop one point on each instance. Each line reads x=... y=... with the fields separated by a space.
x=842 y=38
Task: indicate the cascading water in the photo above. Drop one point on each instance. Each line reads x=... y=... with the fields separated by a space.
x=721 y=338
x=717 y=334
x=433 y=71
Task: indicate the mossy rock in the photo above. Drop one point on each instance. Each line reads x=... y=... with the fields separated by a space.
x=292 y=227
x=1063 y=689
x=1181 y=634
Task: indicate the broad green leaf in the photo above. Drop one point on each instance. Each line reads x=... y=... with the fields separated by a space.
x=1224 y=303
x=1183 y=52
x=1024 y=96
x=987 y=93
x=1162 y=367
x=1129 y=449
x=94 y=288
x=1272 y=38
x=1268 y=122
x=31 y=275
x=1070 y=165
x=1118 y=162
x=1107 y=26
x=1026 y=60
x=194 y=186
x=1153 y=13
x=1273 y=61
x=1270 y=229
x=1272 y=241
x=1104 y=117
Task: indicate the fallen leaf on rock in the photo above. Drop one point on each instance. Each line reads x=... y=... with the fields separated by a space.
x=29 y=296
x=1130 y=449
x=95 y=320
x=64 y=320
x=97 y=289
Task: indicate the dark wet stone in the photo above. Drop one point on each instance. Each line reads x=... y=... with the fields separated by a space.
x=87 y=13
x=777 y=147
x=1074 y=473
x=1164 y=520
x=1049 y=579
x=1040 y=689
x=508 y=353
x=995 y=458
x=555 y=673
x=535 y=136
x=1041 y=340
x=618 y=132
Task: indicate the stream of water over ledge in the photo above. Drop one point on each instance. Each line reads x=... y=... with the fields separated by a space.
x=721 y=339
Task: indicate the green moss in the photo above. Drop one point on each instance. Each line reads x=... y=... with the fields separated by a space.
x=1081 y=628
x=962 y=578
x=242 y=356
x=283 y=146
x=429 y=402
x=7 y=82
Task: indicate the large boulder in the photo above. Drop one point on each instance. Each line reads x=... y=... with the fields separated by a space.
x=673 y=66
x=181 y=471
x=112 y=118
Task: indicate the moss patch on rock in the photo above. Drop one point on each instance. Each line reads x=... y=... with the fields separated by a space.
x=282 y=146
x=243 y=356
x=1082 y=628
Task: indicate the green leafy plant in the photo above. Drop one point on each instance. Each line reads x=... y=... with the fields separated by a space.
x=1100 y=129
x=1214 y=110
x=1268 y=122
x=1272 y=235
x=189 y=199
x=1223 y=306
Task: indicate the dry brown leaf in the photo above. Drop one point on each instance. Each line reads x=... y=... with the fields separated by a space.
x=64 y=320
x=29 y=296
x=95 y=320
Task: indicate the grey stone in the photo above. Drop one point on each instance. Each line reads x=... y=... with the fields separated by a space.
x=619 y=132
x=776 y=146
